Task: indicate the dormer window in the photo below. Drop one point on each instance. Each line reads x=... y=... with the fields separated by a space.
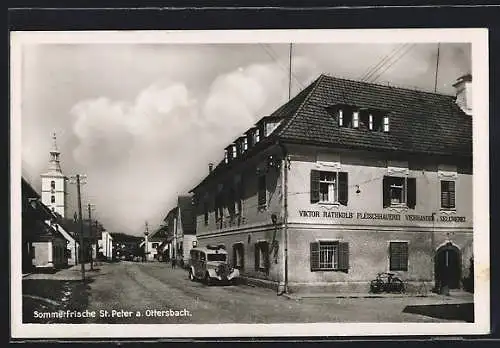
x=257 y=135
x=341 y=117
x=386 y=123
x=235 y=152
x=355 y=119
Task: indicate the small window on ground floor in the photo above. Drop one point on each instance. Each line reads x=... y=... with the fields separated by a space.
x=262 y=256
x=238 y=256
x=398 y=256
x=329 y=256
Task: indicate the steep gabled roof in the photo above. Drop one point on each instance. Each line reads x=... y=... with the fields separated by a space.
x=420 y=122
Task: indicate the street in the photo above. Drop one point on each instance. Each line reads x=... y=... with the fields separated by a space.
x=130 y=292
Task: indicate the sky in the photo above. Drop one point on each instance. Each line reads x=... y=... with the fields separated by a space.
x=143 y=121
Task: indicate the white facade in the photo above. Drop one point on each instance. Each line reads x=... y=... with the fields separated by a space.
x=54 y=183
x=106 y=245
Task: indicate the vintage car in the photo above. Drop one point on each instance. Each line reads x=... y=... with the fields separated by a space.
x=210 y=264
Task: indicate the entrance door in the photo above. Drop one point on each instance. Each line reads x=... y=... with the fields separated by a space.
x=447 y=267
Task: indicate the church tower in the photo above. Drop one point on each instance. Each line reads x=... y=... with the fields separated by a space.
x=54 y=183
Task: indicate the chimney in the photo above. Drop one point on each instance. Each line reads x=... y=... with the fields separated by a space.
x=210 y=167
x=463 y=88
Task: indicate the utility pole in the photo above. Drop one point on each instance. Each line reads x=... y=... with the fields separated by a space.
x=79 y=181
x=90 y=207
x=290 y=74
x=97 y=230
x=437 y=69
x=146 y=233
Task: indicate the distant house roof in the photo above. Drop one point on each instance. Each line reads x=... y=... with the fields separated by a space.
x=420 y=122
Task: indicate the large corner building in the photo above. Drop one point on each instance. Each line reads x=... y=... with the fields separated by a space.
x=346 y=180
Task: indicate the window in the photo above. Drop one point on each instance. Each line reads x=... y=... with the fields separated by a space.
x=155 y=245
x=386 y=123
x=329 y=256
x=262 y=194
x=226 y=156
x=53 y=185
x=355 y=119
x=341 y=117
x=398 y=256
x=370 y=122
x=245 y=144
x=257 y=136
x=235 y=152
x=329 y=187
x=399 y=192
x=216 y=257
x=262 y=256
x=238 y=256
x=52 y=199
x=447 y=194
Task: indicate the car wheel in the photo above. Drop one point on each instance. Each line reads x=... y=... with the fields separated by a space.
x=191 y=276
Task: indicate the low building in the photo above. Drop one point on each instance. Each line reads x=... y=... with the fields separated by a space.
x=44 y=246
x=346 y=180
x=105 y=245
x=180 y=224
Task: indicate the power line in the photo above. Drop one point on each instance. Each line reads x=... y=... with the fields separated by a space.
x=394 y=62
x=270 y=52
x=372 y=70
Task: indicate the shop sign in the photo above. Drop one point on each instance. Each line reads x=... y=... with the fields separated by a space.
x=378 y=216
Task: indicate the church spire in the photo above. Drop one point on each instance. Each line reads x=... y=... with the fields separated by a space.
x=54 y=165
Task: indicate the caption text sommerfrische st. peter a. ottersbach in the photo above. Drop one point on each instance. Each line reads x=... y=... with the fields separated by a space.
x=114 y=313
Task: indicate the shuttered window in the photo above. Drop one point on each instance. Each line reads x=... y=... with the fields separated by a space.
x=262 y=194
x=329 y=256
x=399 y=191
x=238 y=256
x=447 y=194
x=329 y=187
x=261 y=254
x=398 y=256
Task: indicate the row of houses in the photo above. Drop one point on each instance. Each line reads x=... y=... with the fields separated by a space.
x=176 y=236
x=50 y=240
x=346 y=180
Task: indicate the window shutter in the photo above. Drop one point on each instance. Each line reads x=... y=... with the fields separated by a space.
x=343 y=188
x=344 y=256
x=412 y=192
x=314 y=186
x=265 y=247
x=314 y=256
x=404 y=256
x=385 y=189
x=256 y=252
x=452 y=194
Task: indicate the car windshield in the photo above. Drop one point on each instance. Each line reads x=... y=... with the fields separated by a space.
x=216 y=257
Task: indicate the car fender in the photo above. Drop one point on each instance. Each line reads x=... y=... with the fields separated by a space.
x=234 y=274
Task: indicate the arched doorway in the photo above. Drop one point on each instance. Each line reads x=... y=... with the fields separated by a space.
x=447 y=266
